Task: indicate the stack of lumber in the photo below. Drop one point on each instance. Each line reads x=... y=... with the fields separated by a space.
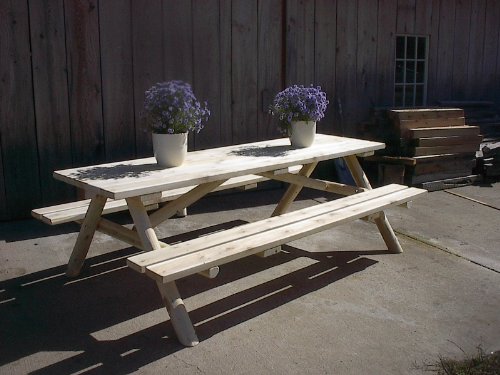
x=441 y=144
x=433 y=144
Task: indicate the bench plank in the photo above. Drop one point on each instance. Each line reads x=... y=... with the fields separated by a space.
x=222 y=247
x=74 y=211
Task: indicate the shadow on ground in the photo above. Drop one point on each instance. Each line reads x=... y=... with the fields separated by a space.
x=45 y=311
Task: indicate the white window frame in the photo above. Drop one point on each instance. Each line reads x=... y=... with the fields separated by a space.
x=411 y=103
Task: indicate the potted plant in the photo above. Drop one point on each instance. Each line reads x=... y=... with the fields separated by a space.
x=172 y=111
x=298 y=108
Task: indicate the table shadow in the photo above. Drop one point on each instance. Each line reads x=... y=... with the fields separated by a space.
x=45 y=311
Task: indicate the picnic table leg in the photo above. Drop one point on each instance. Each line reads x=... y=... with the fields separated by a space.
x=381 y=221
x=173 y=302
x=293 y=191
x=87 y=230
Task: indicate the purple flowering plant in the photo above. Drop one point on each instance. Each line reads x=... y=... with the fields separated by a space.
x=171 y=108
x=299 y=103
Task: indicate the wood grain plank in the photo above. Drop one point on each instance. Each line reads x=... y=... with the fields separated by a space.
x=206 y=77
x=424 y=13
x=50 y=90
x=366 y=64
x=4 y=213
x=490 y=78
x=406 y=17
x=444 y=75
x=324 y=59
x=117 y=79
x=178 y=40
x=386 y=30
x=147 y=48
x=432 y=66
x=245 y=71
x=270 y=72
x=226 y=112
x=437 y=150
x=17 y=120
x=448 y=141
x=461 y=47
x=471 y=131
x=345 y=66
x=475 y=79
x=84 y=73
x=299 y=42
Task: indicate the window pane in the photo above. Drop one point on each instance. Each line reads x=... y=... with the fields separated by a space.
x=420 y=71
x=410 y=47
x=409 y=99
x=398 y=96
x=419 y=96
x=400 y=71
x=410 y=71
x=421 y=48
x=400 y=47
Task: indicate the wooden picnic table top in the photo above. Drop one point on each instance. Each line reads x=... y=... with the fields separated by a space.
x=143 y=176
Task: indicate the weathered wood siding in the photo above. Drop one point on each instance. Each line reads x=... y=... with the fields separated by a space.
x=73 y=72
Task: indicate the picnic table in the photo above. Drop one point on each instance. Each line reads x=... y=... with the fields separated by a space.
x=139 y=185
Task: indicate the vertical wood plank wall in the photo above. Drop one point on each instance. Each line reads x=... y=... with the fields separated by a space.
x=73 y=72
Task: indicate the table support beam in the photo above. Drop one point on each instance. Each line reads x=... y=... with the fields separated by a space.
x=173 y=302
x=293 y=190
x=85 y=236
x=381 y=221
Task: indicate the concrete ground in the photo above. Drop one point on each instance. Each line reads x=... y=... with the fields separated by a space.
x=333 y=303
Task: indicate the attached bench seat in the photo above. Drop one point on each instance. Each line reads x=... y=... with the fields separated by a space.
x=200 y=254
x=75 y=211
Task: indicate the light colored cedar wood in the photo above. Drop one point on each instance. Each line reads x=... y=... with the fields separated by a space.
x=458 y=162
x=244 y=70
x=381 y=221
x=142 y=176
x=461 y=48
x=178 y=40
x=432 y=65
x=324 y=58
x=386 y=30
x=84 y=74
x=475 y=80
x=226 y=111
x=437 y=150
x=74 y=211
x=471 y=131
x=18 y=138
x=270 y=46
x=117 y=79
x=141 y=261
x=147 y=55
x=366 y=64
x=490 y=79
x=50 y=89
x=425 y=113
x=345 y=68
x=206 y=77
x=85 y=236
x=448 y=141
x=444 y=75
x=188 y=258
x=299 y=42
x=406 y=17
x=170 y=295
x=293 y=190
x=182 y=202
x=321 y=185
